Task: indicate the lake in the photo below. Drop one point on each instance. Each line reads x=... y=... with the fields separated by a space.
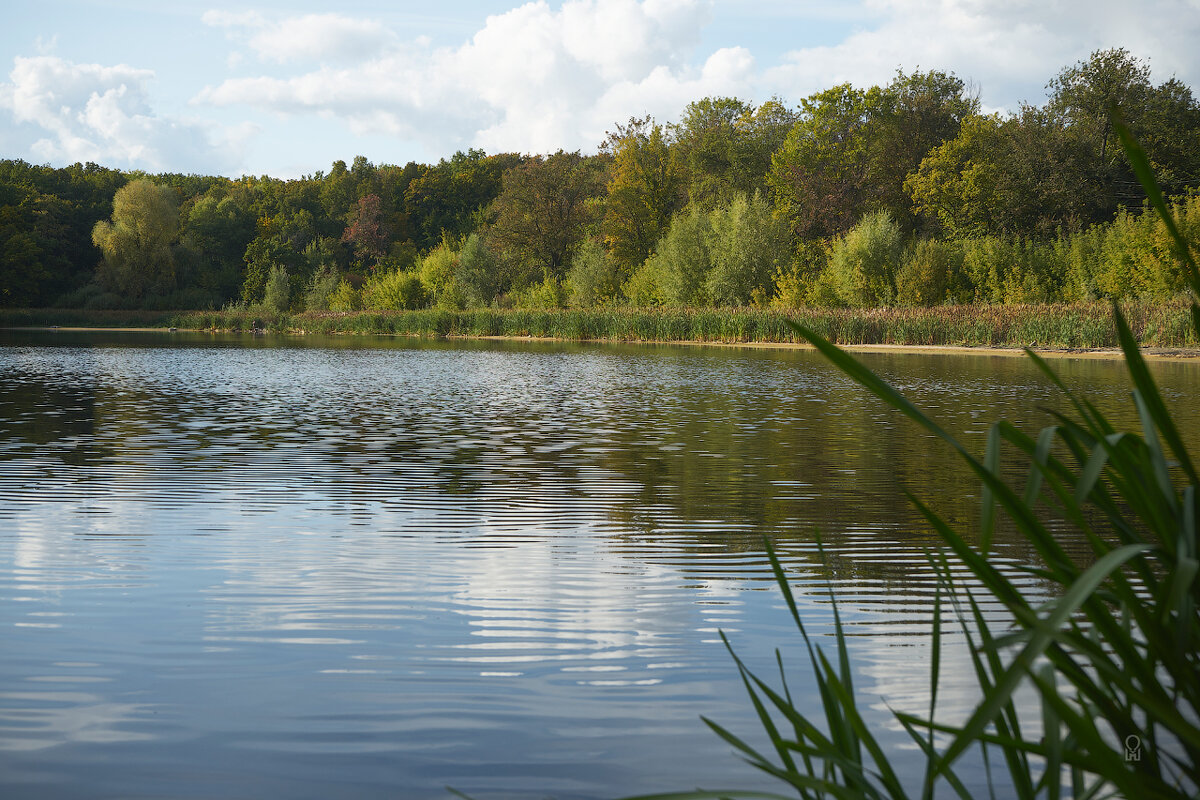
x=250 y=567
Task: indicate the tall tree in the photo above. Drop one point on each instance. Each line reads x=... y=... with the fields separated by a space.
x=819 y=175
x=706 y=139
x=725 y=146
x=1088 y=93
x=852 y=149
x=646 y=186
x=1165 y=119
x=1028 y=175
x=916 y=113
x=22 y=270
x=448 y=197
x=367 y=231
x=213 y=241
x=544 y=210
x=137 y=242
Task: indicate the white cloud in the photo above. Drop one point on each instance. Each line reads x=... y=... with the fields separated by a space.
x=313 y=37
x=533 y=79
x=233 y=19
x=536 y=78
x=1010 y=49
x=91 y=112
x=546 y=75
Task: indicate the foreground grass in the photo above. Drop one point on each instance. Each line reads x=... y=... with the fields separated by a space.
x=1091 y=325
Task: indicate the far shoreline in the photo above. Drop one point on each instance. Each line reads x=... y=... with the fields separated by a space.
x=1182 y=354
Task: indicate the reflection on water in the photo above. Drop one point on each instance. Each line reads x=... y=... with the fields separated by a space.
x=247 y=567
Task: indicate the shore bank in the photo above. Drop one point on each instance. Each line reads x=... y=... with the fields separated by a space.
x=1076 y=330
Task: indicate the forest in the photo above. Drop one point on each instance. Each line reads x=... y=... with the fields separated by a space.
x=900 y=195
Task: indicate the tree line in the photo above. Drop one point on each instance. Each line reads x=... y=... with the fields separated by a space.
x=904 y=194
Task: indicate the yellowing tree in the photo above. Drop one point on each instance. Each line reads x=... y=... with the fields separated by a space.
x=646 y=187
x=137 y=242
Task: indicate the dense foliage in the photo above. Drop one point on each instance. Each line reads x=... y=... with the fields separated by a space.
x=903 y=194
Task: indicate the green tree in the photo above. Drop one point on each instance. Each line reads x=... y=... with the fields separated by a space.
x=863 y=262
x=58 y=209
x=1029 y=175
x=137 y=242
x=760 y=132
x=277 y=294
x=593 y=278
x=478 y=273
x=1111 y=82
x=438 y=272
x=544 y=210
x=915 y=114
x=852 y=149
x=819 y=174
x=22 y=269
x=958 y=183
x=749 y=245
x=683 y=258
x=321 y=289
x=725 y=146
x=215 y=235
x=645 y=187
x=450 y=196
x=1087 y=93
x=707 y=141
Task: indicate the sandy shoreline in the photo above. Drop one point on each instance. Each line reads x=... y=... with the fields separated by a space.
x=1158 y=353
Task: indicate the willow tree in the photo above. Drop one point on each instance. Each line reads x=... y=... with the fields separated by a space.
x=136 y=244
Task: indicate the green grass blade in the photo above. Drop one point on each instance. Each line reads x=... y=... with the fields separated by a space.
x=1157 y=460
x=1095 y=466
x=701 y=794
x=1039 y=465
x=1041 y=636
x=991 y=462
x=1051 y=737
x=1157 y=410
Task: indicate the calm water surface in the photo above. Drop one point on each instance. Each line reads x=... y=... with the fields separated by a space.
x=265 y=567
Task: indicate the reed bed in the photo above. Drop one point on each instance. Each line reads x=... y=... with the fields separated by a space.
x=85 y=318
x=1091 y=325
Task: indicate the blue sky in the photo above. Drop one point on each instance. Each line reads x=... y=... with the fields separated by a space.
x=286 y=88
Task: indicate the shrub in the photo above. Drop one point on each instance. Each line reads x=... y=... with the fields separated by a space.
x=795 y=282
x=550 y=293
x=863 y=262
x=394 y=291
x=345 y=297
x=682 y=259
x=321 y=288
x=437 y=271
x=749 y=246
x=277 y=294
x=594 y=278
x=928 y=274
x=642 y=288
x=478 y=272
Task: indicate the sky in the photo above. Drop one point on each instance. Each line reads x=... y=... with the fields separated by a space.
x=285 y=89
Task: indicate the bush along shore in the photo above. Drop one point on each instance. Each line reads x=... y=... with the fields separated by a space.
x=1072 y=326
